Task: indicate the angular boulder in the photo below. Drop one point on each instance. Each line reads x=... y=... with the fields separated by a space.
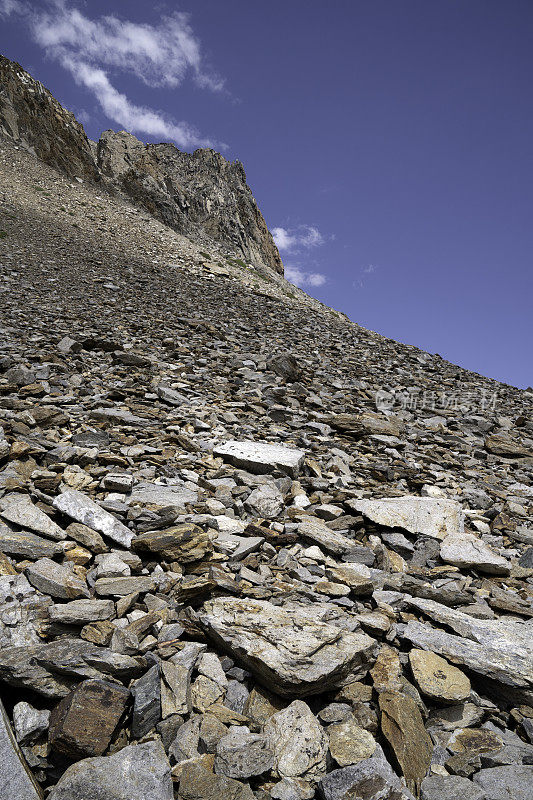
x=427 y=516
x=291 y=652
x=261 y=457
x=137 y=771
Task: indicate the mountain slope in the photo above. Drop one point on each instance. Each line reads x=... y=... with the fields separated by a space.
x=199 y=194
x=247 y=547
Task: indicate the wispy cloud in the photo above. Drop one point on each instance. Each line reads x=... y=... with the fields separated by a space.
x=300 y=278
x=163 y=55
x=294 y=239
x=364 y=272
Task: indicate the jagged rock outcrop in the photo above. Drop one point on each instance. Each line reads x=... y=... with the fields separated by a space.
x=31 y=116
x=200 y=194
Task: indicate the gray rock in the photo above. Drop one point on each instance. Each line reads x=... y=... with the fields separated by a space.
x=450 y=787
x=20 y=510
x=137 y=771
x=291 y=652
x=426 y=516
x=315 y=530
x=53 y=669
x=26 y=544
x=266 y=501
x=146 y=693
x=241 y=754
x=501 y=650
x=466 y=550
x=156 y=495
x=16 y=780
x=299 y=742
x=80 y=612
x=81 y=508
x=124 y=586
x=56 y=580
x=372 y=779
x=261 y=457
x=29 y=722
x=506 y=783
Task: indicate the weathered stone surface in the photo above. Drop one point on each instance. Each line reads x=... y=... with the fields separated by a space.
x=175 y=689
x=80 y=612
x=500 y=650
x=298 y=741
x=356 y=576
x=261 y=457
x=81 y=508
x=291 y=652
x=371 y=779
x=16 y=779
x=26 y=545
x=183 y=543
x=124 y=586
x=241 y=754
x=197 y=783
x=505 y=446
x=402 y=725
x=83 y=722
x=158 y=495
x=20 y=510
x=426 y=516
x=53 y=669
x=146 y=693
x=450 y=787
x=265 y=501
x=506 y=783
x=56 y=580
x=349 y=743
x=137 y=771
x=361 y=425
x=315 y=530
x=29 y=723
x=467 y=551
x=437 y=679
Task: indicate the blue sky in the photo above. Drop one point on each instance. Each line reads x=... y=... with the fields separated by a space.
x=389 y=143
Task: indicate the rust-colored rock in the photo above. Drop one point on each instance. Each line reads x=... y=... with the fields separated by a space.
x=82 y=724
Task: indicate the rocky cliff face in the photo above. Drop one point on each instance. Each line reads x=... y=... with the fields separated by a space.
x=200 y=194
x=32 y=116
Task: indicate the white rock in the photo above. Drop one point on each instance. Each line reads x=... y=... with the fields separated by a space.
x=426 y=516
x=261 y=457
x=467 y=551
x=81 y=508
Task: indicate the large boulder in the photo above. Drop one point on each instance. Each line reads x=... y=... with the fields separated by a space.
x=291 y=652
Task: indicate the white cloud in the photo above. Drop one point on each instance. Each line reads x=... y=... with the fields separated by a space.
x=161 y=56
x=300 y=278
x=305 y=236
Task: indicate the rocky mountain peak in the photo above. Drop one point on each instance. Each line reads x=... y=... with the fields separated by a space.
x=198 y=194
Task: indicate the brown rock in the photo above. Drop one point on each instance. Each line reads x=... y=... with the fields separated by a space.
x=402 y=725
x=436 y=678
x=82 y=724
x=182 y=543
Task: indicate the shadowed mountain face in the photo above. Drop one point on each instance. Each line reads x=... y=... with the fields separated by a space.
x=199 y=194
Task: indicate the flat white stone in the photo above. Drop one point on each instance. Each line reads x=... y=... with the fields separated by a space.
x=81 y=508
x=468 y=551
x=427 y=516
x=261 y=457
x=160 y=495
